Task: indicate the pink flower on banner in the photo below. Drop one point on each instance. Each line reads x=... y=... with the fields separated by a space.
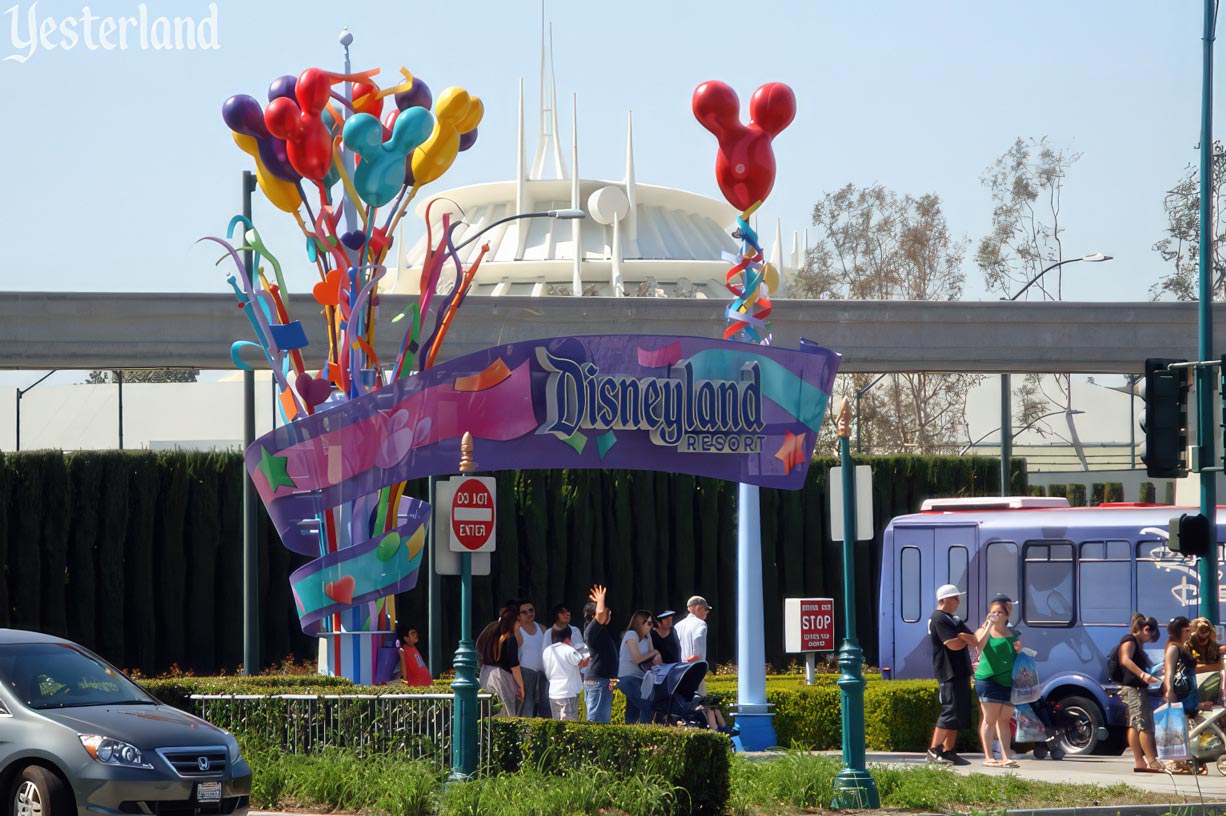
x=396 y=438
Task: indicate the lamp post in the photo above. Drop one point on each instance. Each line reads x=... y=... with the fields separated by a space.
x=464 y=688
x=1006 y=408
x=20 y=393
x=853 y=786
x=1206 y=422
x=563 y=215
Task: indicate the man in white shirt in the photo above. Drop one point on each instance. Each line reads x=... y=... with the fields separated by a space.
x=562 y=664
x=532 y=644
x=692 y=633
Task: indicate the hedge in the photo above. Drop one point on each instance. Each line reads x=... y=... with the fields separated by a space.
x=898 y=714
x=145 y=564
x=695 y=761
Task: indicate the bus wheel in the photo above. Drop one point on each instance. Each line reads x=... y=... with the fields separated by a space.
x=1085 y=719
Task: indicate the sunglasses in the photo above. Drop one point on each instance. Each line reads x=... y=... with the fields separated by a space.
x=527 y=611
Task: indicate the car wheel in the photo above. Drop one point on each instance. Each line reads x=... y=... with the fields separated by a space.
x=39 y=792
x=1085 y=718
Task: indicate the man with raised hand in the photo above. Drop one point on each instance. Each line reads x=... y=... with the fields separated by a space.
x=602 y=646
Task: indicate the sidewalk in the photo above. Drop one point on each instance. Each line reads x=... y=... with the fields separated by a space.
x=1089 y=770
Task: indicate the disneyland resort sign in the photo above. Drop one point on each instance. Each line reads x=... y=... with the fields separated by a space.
x=692 y=405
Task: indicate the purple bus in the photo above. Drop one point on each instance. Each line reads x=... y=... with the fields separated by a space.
x=1077 y=575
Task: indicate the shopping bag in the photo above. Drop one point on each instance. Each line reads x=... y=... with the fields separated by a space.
x=1025 y=679
x=1029 y=726
x=1171 y=732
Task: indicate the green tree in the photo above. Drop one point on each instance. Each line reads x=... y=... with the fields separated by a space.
x=1181 y=246
x=874 y=244
x=145 y=375
x=1027 y=186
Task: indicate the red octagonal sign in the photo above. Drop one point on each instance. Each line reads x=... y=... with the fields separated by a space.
x=472 y=516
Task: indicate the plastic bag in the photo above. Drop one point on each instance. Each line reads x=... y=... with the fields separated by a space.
x=1025 y=679
x=1029 y=726
x=1171 y=732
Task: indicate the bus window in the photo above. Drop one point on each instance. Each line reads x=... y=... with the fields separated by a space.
x=957 y=567
x=909 y=604
x=1103 y=568
x=1167 y=583
x=1047 y=597
x=1002 y=570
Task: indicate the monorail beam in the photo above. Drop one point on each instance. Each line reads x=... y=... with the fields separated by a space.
x=83 y=330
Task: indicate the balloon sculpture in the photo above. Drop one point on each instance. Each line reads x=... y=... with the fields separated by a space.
x=317 y=129
x=745 y=171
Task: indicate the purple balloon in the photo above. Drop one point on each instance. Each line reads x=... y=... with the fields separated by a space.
x=468 y=139
x=283 y=86
x=417 y=96
x=242 y=114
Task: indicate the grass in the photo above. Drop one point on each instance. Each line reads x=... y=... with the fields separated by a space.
x=340 y=781
x=802 y=782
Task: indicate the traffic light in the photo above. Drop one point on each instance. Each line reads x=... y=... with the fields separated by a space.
x=1166 y=420
x=1189 y=535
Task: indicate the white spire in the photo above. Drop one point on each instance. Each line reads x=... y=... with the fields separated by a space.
x=795 y=250
x=576 y=225
x=549 y=113
x=519 y=155
x=632 y=217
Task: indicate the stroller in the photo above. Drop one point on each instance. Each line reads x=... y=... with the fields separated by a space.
x=671 y=688
x=1056 y=725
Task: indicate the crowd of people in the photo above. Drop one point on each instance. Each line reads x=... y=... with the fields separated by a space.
x=987 y=654
x=539 y=670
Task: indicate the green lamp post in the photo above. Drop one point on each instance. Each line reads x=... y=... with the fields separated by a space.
x=464 y=687
x=853 y=786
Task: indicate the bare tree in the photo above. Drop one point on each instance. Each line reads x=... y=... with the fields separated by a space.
x=1027 y=183
x=145 y=375
x=875 y=245
x=1181 y=246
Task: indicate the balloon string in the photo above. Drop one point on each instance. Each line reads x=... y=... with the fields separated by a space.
x=751 y=304
x=348 y=182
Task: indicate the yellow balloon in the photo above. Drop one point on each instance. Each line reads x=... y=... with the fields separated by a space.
x=476 y=109
x=453 y=108
x=770 y=277
x=283 y=195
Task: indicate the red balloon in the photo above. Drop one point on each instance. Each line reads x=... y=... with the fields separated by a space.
x=365 y=101
x=745 y=162
x=301 y=125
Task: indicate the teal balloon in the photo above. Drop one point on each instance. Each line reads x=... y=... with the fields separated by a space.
x=380 y=175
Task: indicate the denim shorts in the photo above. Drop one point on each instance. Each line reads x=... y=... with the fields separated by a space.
x=990 y=691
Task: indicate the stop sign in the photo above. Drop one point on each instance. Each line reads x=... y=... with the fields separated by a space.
x=472 y=515
x=808 y=624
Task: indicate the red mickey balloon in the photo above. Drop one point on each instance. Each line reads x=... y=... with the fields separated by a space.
x=301 y=124
x=745 y=162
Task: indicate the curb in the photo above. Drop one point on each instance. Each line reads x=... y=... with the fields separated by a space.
x=1183 y=809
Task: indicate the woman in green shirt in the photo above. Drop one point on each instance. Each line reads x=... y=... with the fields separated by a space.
x=998 y=644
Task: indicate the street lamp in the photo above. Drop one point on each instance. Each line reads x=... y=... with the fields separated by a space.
x=21 y=392
x=563 y=215
x=1006 y=412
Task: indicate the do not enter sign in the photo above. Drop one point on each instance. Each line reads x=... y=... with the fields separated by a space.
x=472 y=515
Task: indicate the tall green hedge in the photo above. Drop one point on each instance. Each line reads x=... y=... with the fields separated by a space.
x=138 y=554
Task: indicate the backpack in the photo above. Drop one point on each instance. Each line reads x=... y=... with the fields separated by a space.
x=1115 y=672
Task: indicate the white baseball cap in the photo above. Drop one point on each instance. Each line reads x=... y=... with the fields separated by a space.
x=948 y=591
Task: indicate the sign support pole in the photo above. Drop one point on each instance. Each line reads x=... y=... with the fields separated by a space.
x=464 y=688
x=853 y=786
x=753 y=714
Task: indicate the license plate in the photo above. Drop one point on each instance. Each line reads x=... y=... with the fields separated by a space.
x=208 y=792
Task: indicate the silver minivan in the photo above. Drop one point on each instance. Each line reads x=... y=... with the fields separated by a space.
x=79 y=737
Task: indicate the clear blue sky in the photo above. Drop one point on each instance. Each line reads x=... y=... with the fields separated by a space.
x=116 y=162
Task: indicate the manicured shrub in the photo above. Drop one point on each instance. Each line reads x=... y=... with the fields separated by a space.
x=695 y=761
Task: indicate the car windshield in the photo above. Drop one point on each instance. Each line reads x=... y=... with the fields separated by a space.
x=61 y=675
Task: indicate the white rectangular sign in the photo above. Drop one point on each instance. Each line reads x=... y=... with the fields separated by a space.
x=808 y=625
x=864 y=503
x=447 y=562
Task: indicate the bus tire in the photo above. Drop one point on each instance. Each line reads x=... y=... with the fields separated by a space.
x=1087 y=718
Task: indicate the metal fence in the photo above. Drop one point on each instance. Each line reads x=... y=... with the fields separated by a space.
x=418 y=725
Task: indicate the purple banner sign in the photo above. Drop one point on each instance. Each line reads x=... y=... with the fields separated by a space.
x=641 y=402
